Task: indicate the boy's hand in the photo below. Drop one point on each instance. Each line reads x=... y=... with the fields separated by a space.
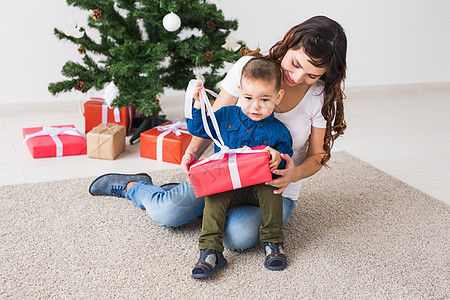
x=197 y=90
x=275 y=158
x=196 y=96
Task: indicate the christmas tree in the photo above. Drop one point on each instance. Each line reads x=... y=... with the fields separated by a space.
x=143 y=48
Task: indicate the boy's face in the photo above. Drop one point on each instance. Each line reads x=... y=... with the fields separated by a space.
x=258 y=98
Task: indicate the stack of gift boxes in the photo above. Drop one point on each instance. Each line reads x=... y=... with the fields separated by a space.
x=106 y=129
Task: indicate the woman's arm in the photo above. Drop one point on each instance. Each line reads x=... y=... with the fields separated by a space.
x=310 y=165
x=199 y=145
x=225 y=99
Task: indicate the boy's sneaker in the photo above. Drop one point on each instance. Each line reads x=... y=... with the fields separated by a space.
x=275 y=257
x=209 y=262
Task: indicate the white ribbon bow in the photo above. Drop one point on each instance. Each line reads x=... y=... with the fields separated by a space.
x=53 y=132
x=176 y=127
x=205 y=105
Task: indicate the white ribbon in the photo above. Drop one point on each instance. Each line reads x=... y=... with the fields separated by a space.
x=205 y=105
x=234 y=172
x=116 y=114
x=53 y=132
x=176 y=127
x=105 y=111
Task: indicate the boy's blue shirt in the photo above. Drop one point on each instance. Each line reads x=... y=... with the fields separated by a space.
x=238 y=130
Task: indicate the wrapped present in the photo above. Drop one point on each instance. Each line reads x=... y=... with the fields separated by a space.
x=229 y=170
x=106 y=141
x=96 y=111
x=166 y=142
x=54 y=141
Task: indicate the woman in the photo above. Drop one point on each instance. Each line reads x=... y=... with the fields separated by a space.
x=313 y=59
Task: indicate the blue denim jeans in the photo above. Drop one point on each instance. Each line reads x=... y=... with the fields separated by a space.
x=177 y=206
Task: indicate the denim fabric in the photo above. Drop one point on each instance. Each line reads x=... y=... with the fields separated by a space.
x=177 y=206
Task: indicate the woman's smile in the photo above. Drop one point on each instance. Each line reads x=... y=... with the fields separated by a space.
x=289 y=79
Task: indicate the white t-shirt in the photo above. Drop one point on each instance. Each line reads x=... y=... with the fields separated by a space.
x=298 y=120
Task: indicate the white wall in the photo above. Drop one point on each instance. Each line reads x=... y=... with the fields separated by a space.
x=390 y=42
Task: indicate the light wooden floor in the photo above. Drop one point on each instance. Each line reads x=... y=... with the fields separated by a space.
x=402 y=131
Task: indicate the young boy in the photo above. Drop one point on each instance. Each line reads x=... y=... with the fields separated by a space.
x=252 y=124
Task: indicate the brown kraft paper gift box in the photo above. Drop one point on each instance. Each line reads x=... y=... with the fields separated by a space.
x=106 y=141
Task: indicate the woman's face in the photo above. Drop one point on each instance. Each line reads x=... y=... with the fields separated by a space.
x=298 y=70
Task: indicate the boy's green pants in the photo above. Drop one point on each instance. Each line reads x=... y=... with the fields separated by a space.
x=215 y=212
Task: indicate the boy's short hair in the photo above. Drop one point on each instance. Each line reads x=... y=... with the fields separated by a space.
x=264 y=69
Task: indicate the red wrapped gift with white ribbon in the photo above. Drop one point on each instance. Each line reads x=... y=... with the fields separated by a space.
x=97 y=111
x=228 y=169
x=166 y=142
x=54 y=141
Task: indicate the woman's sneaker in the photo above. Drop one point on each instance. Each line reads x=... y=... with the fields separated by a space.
x=115 y=184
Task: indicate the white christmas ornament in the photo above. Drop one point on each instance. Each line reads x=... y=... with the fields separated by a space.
x=199 y=76
x=171 y=22
x=73 y=30
x=231 y=44
x=111 y=93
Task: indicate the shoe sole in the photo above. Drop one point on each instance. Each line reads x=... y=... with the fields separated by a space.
x=209 y=273
x=168 y=184
x=276 y=268
x=139 y=174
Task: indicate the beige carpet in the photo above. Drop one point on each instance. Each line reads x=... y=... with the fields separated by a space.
x=356 y=233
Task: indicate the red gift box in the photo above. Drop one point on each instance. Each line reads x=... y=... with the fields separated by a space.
x=162 y=142
x=54 y=141
x=96 y=112
x=233 y=171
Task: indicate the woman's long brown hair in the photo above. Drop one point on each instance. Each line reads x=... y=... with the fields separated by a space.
x=325 y=43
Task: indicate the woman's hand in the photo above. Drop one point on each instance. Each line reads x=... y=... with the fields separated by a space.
x=275 y=158
x=186 y=161
x=287 y=175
